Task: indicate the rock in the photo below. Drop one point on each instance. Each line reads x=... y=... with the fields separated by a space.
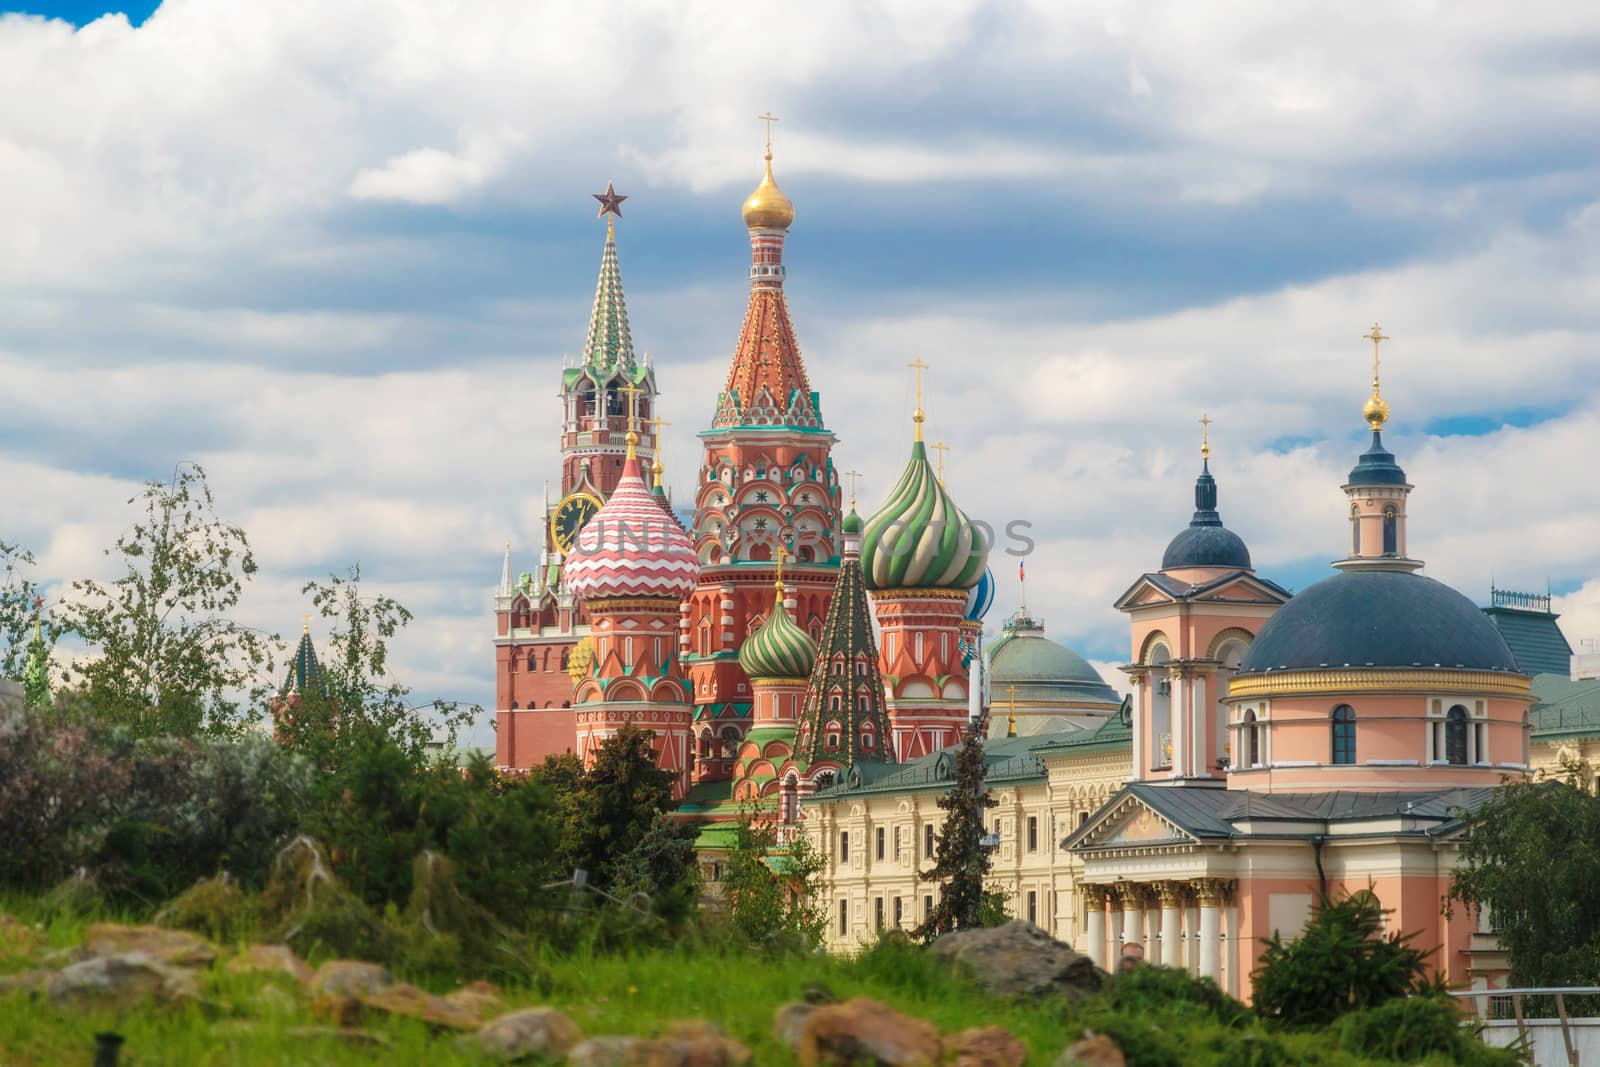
x=341 y=1011
x=790 y=1022
x=990 y=1046
x=18 y=939
x=175 y=948
x=123 y=980
x=865 y=1032
x=414 y=1003
x=609 y=1052
x=479 y=999
x=25 y=982
x=532 y=1033
x=271 y=959
x=697 y=1043
x=349 y=978
x=1020 y=959
x=1095 y=1050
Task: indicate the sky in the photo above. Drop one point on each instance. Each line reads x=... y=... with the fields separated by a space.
x=336 y=251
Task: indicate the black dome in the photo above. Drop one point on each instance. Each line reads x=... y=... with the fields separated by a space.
x=1206 y=546
x=1365 y=618
x=1206 y=543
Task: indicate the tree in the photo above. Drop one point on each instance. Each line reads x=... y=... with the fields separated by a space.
x=169 y=659
x=618 y=799
x=1342 y=962
x=770 y=889
x=1531 y=856
x=19 y=607
x=961 y=861
x=356 y=702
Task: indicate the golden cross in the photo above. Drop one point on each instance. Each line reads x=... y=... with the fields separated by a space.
x=305 y=620
x=655 y=431
x=1011 y=720
x=853 y=476
x=769 y=118
x=633 y=392
x=916 y=416
x=941 y=448
x=1376 y=337
x=1205 y=435
x=781 y=555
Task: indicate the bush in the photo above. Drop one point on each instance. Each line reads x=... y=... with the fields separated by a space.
x=215 y=907
x=1152 y=989
x=1341 y=962
x=1413 y=1028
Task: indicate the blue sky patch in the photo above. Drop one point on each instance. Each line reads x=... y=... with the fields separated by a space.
x=83 y=12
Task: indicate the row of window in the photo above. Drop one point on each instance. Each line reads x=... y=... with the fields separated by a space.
x=1454 y=739
x=1031 y=838
x=898 y=904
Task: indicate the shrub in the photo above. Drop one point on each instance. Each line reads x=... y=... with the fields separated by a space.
x=1341 y=962
x=215 y=907
x=1412 y=1028
x=1151 y=989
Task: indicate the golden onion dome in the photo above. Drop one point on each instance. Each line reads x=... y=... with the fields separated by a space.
x=767 y=208
x=1376 y=411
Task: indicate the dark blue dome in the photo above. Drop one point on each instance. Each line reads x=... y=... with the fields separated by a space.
x=1377 y=466
x=1362 y=618
x=1206 y=543
x=1206 y=546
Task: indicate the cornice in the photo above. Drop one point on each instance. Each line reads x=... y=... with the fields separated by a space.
x=1376 y=680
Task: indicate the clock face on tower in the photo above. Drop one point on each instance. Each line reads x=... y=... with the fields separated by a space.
x=568 y=518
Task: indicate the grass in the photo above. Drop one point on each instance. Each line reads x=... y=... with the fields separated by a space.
x=245 y=1021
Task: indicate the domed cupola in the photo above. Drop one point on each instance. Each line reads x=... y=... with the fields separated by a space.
x=779 y=648
x=1206 y=542
x=980 y=599
x=919 y=538
x=631 y=547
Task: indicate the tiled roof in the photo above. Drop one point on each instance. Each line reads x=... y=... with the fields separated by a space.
x=1535 y=639
x=1565 y=708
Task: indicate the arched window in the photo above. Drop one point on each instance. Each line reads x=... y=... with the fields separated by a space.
x=1355 y=530
x=866 y=740
x=1391 y=531
x=1455 y=736
x=1251 y=741
x=1344 y=735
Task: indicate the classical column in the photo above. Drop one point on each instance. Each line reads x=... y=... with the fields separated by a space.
x=1094 y=924
x=1141 y=701
x=1132 y=899
x=1235 y=960
x=1171 y=925
x=1210 y=893
x=1178 y=708
x=1152 y=923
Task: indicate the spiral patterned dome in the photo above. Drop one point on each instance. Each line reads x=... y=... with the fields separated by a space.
x=779 y=649
x=632 y=548
x=919 y=538
x=981 y=599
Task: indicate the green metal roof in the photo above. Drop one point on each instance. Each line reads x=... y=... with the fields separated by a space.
x=1535 y=639
x=1043 y=670
x=1565 y=708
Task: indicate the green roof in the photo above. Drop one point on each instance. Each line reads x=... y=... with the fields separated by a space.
x=1044 y=671
x=1564 y=707
x=1008 y=760
x=1535 y=639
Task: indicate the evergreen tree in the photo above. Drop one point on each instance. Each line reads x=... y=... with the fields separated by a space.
x=961 y=861
x=36 y=676
x=618 y=799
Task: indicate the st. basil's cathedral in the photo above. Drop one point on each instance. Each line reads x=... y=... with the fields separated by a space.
x=785 y=651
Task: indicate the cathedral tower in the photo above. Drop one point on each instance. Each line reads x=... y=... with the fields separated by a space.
x=920 y=556
x=632 y=564
x=767 y=489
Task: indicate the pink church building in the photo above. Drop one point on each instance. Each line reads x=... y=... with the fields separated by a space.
x=1285 y=748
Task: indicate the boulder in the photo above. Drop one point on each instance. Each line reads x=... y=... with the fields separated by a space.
x=1095 y=1050
x=123 y=980
x=698 y=1043
x=18 y=939
x=609 y=1052
x=479 y=999
x=175 y=948
x=411 y=1002
x=989 y=1046
x=349 y=978
x=271 y=959
x=790 y=1021
x=531 y=1033
x=1020 y=959
x=32 y=981
x=867 y=1033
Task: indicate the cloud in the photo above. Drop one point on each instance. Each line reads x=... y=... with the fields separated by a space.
x=337 y=258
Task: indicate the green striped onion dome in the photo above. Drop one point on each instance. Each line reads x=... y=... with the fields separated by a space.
x=919 y=539
x=852 y=522
x=779 y=649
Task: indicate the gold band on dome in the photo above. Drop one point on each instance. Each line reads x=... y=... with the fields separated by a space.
x=931 y=594
x=1376 y=680
x=765 y=681
x=625 y=603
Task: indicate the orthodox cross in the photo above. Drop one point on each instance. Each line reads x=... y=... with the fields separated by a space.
x=769 y=118
x=916 y=416
x=633 y=392
x=854 y=476
x=655 y=430
x=305 y=620
x=1011 y=720
x=1376 y=337
x=941 y=448
x=1205 y=435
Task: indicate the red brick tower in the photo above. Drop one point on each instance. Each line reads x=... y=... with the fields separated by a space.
x=538 y=620
x=633 y=564
x=767 y=488
x=920 y=555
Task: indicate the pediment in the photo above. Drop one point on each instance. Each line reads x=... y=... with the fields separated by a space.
x=1127 y=822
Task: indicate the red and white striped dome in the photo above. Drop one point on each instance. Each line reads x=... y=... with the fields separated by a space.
x=632 y=548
